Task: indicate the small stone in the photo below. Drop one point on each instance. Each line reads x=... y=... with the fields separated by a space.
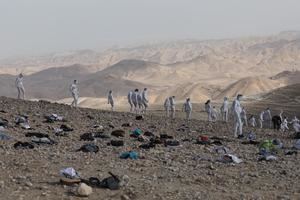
x=29 y=184
x=2 y=184
x=84 y=190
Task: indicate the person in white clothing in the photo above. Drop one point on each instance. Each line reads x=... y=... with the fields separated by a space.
x=214 y=114
x=252 y=121
x=284 y=125
x=296 y=124
x=244 y=117
x=129 y=98
x=261 y=119
x=172 y=106
x=134 y=100
x=75 y=93
x=187 y=108
x=20 y=86
x=208 y=110
x=237 y=109
x=110 y=100
x=145 y=99
x=225 y=109
x=140 y=103
x=167 y=106
x=268 y=118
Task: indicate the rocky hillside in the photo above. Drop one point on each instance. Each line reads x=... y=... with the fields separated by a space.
x=178 y=167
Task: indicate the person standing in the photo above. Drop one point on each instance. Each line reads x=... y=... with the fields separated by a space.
x=208 y=110
x=261 y=119
x=187 y=108
x=145 y=99
x=140 y=103
x=284 y=125
x=237 y=109
x=110 y=100
x=224 y=109
x=129 y=98
x=75 y=93
x=20 y=86
x=244 y=117
x=167 y=106
x=172 y=106
x=268 y=118
x=134 y=100
x=252 y=121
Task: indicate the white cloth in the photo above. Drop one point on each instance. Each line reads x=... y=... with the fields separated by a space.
x=19 y=82
x=252 y=121
x=237 y=109
x=187 y=106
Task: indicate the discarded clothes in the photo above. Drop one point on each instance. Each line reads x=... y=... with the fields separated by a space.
x=37 y=134
x=229 y=158
x=117 y=143
x=118 y=133
x=66 y=128
x=69 y=172
x=43 y=140
x=23 y=145
x=136 y=133
x=3 y=136
x=112 y=182
x=130 y=154
x=172 y=143
x=89 y=148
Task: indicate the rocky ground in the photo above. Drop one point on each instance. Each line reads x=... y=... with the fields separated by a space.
x=187 y=171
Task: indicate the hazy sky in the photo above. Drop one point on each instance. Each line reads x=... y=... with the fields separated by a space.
x=31 y=27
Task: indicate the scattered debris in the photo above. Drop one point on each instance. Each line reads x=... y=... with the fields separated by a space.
x=89 y=148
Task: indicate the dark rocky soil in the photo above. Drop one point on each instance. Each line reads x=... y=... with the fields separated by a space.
x=187 y=171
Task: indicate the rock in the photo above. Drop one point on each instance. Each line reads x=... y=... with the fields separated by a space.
x=29 y=184
x=125 y=197
x=84 y=190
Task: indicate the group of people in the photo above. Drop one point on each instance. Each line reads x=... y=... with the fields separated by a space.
x=139 y=103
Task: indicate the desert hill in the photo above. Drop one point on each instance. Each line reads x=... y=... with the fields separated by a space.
x=249 y=86
x=187 y=68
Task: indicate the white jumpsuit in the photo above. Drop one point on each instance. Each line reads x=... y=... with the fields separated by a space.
x=134 y=101
x=208 y=110
x=252 y=121
x=187 y=108
x=296 y=125
x=140 y=102
x=244 y=117
x=75 y=94
x=172 y=105
x=268 y=118
x=284 y=125
x=261 y=119
x=110 y=100
x=145 y=100
x=129 y=98
x=167 y=106
x=20 y=87
x=238 y=125
x=224 y=110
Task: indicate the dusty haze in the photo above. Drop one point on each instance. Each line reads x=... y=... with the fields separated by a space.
x=36 y=27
